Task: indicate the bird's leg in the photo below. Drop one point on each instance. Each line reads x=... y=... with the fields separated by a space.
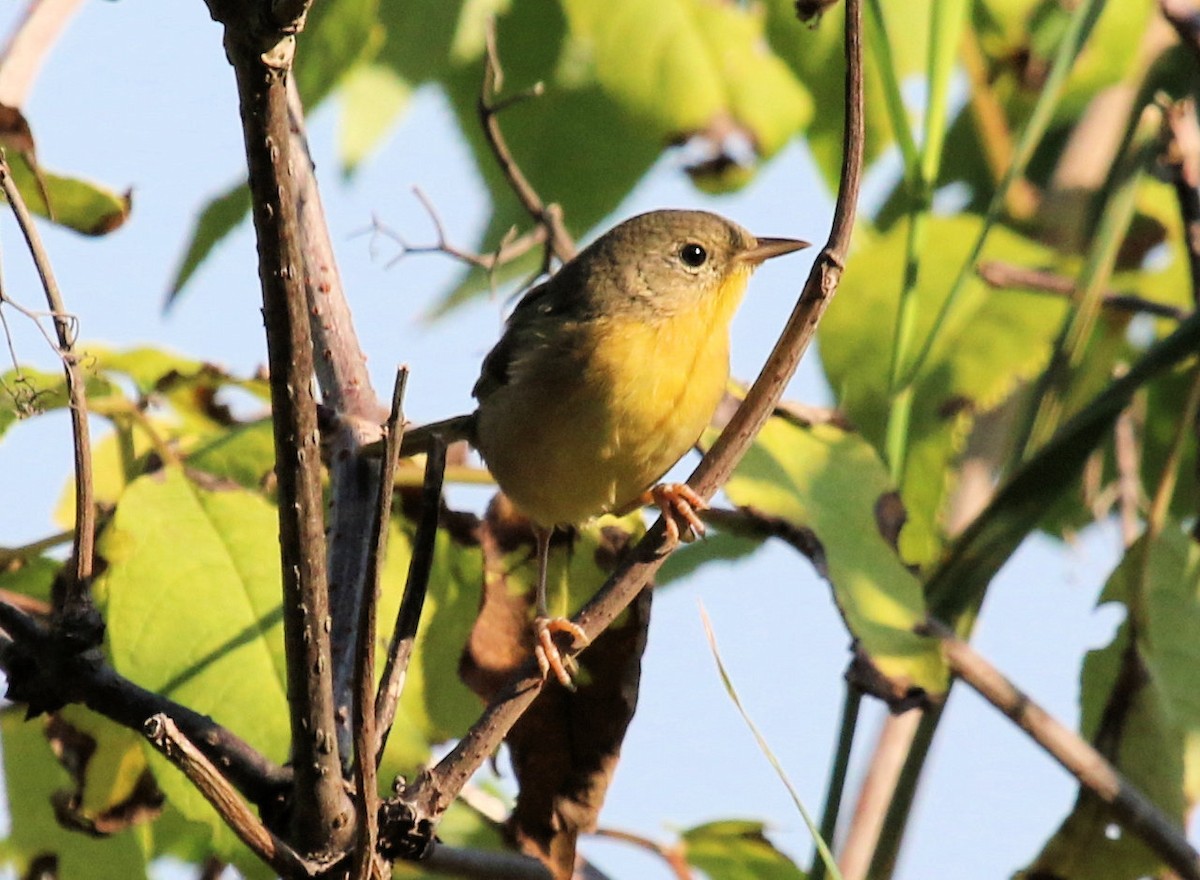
x=545 y=627
x=679 y=503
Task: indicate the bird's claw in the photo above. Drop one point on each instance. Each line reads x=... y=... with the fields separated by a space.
x=679 y=503
x=546 y=651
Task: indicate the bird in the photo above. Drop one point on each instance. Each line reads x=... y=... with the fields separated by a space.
x=605 y=376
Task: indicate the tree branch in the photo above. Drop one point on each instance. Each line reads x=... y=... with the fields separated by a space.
x=432 y=792
x=260 y=48
x=366 y=736
x=559 y=242
x=75 y=603
x=40 y=668
x=996 y=273
x=1130 y=807
x=167 y=738
x=404 y=634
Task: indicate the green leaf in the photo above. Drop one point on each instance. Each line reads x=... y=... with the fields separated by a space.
x=831 y=483
x=244 y=453
x=995 y=340
x=218 y=218
x=733 y=849
x=32 y=577
x=620 y=86
x=337 y=36
x=1144 y=713
x=32 y=776
x=372 y=98
x=202 y=627
x=962 y=577
x=74 y=203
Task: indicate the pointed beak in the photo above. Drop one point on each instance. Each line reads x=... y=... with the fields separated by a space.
x=766 y=248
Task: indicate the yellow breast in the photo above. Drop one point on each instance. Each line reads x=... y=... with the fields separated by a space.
x=588 y=424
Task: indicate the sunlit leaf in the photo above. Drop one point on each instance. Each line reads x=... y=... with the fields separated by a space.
x=831 y=483
x=75 y=203
x=733 y=849
x=994 y=341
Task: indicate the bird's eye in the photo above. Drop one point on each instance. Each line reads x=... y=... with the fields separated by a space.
x=693 y=254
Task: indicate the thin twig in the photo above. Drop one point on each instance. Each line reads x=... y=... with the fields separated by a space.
x=837 y=776
x=1129 y=482
x=559 y=241
x=433 y=791
x=1005 y=275
x=408 y=617
x=366 y=736
x=1130 y=807
x=165 y=736
x=672 y=855
x=76 y=599
x=509 y=248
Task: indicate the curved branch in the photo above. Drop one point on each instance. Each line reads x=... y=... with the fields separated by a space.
x=432 y=792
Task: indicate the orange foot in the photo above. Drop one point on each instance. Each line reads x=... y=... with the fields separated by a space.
x=679 y=504
x=549 y=658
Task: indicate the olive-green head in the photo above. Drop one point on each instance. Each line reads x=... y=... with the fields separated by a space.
x=669 y=261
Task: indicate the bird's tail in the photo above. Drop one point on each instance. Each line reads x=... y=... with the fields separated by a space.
x=417 y=440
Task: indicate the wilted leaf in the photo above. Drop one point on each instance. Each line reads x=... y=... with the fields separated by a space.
x=32 y=777
x=565 y=747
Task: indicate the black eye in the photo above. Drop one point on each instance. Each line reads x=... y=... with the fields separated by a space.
x=693 y=254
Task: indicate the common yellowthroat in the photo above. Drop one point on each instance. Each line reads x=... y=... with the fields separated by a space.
x=606 y=374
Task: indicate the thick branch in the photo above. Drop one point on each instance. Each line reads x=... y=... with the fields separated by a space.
x=39 y=667
x=433 y=791
x=261 y=62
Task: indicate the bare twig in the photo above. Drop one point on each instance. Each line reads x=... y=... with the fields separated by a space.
x=76 y=599
x=1005 y=275
x=260 y=48
x=1130 y=807
x=674 y=859
x=509 y=249
x=366 y=736
x=1129 y=483
x=559 y=242
x=433 y=791
x=165 y=736
x=409 y=615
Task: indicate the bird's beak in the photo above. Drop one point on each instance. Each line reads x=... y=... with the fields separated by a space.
x=771 y=247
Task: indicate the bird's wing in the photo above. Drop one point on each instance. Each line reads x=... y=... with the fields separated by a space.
x=527 y=322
